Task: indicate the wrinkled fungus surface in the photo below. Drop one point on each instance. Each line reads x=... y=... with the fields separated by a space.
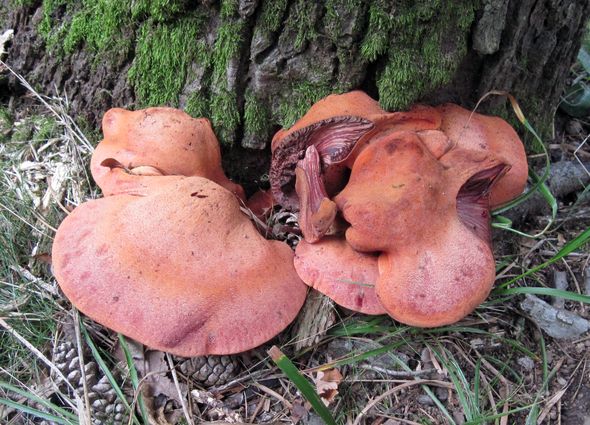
x=167 y=257
x=415 y=204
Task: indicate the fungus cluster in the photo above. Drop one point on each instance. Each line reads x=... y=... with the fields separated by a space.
x=166 y=256
x=394 y=207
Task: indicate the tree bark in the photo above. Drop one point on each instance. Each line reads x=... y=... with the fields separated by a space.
x=253 y=66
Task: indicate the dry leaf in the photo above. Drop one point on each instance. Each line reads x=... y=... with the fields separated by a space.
x=326 y=383
x=152 y=367
x=44 y=258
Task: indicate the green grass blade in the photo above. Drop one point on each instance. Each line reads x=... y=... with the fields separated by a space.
x=364 y=326
x=34 y=397
x=35 y=412
x=134 y=378
x=457 y=377
x=552 y=292
x=489 y=418
x=476 y=383
x=105 y=369
x=302 y=384
x=438 y=404
x=567 y=249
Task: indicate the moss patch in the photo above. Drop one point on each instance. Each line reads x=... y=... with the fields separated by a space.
x=257 y=119
x=271 y=15
x=98 y=23
x=376 y=40
x=225 y=109
x=428 y=40
x=163 y=54
x=158 y=10
x=299 y=99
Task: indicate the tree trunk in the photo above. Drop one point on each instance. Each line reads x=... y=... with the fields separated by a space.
x=253 y=66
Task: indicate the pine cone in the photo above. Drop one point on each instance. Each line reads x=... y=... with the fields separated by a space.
x=285 y=227
x=210 y=370
x=105 y=407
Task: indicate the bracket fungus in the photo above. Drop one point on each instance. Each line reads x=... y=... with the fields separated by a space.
x=338 y=126
x=156 y=141
x=167 y=257
x=436 y=263
x=417 y=203
x=347 y=276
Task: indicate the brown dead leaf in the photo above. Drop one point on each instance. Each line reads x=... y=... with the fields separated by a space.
x=326 y=383
x=152 y=368
x=44 y=258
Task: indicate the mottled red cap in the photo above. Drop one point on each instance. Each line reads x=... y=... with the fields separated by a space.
x=180 y=269
x=166 y=140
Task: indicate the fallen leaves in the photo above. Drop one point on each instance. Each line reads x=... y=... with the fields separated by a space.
x=326 y=383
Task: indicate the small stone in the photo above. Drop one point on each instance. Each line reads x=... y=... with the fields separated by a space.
x=441 y=393
x=425 y=400
x=526 y=363
x=574 y=128
x=557 y=323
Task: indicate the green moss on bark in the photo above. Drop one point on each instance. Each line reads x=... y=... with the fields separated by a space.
x=303 y=19
x=376 y=39
x=163 y=54
x=428 y=39
x=299 y=98
x=158 y=10
x=225 y=110
x=257 y=119
x=271 y=15
x=99 y=24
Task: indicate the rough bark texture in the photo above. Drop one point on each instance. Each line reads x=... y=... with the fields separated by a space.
x=253 y=66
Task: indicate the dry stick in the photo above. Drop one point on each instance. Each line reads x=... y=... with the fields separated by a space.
x=390 y=391
x=37 y=353
x=398 y=373
x=274 y=394
x=585 y=361
x=180 y=397
x=86 y=404
x=552 y=402
x=400 y=420
x=258 y=409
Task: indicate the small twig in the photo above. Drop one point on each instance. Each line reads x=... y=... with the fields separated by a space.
x=177 y=385
x=274 y=394
x=86 y=404
x=559 y=282
x=259 y=407
x=37 y=353
x=398 y=373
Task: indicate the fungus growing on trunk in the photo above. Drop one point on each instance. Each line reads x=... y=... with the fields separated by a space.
x=180 y=269
x=470 y=131
x=436 y=264
x=347 y=276
x=165 y=139
x=167 y=257
x=419 y=195
x=316 y=211
x=338 y=126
